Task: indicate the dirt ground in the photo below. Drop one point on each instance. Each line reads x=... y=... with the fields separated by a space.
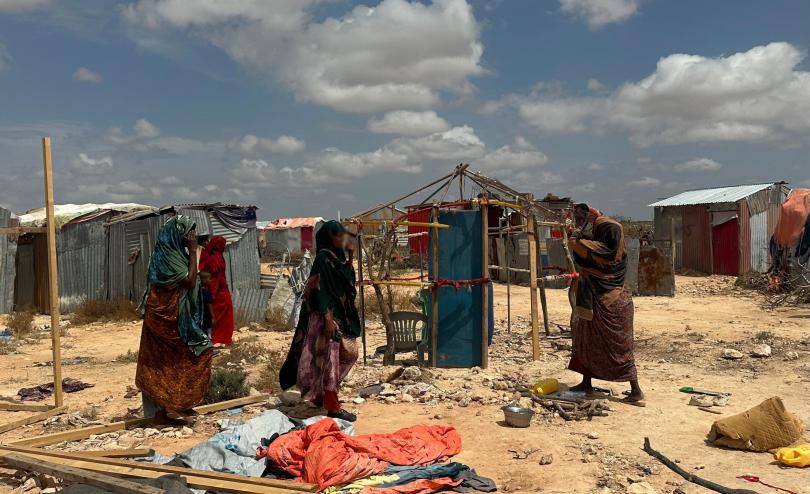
x=678 y=343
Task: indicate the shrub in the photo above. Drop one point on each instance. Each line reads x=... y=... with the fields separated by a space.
x=402 y=299
x=118 y=310
x=247 y=349
x=127 y=358
x=267 y=381
x=276 y=320
x=240 y=319
x=22 y=324
x=227 y=384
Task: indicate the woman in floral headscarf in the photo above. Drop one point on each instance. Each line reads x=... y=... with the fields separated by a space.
x=212 y=260
x=174 y=360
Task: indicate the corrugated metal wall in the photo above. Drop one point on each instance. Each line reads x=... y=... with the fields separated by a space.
x=200 y=217
x=745 y=241
x=117 y=266
x=725 y=247
x=696 y=250
x=25 y=281
x=418 y=243
x=8 y=268
x=665 y=219
x=760 y=236
x=81 y=264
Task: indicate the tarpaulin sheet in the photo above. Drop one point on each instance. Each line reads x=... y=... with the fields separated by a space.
x=792 y=218
x=321 y=454
x=238 y=219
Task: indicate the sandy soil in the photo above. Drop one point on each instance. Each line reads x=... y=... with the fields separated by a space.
x=679 y=341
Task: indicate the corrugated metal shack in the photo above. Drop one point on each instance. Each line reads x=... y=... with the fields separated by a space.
x=723 y=230
x=8 y=254
x=289 y=235
x=131 y=239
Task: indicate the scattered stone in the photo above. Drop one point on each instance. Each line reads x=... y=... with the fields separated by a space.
x=721 y=401
x=547 y=459
x=701 y=400
x=593 y=435
x=761 y=350
x=290 y=398
x=438 y=416
x=464 y=402
x=273 y=402
x=406 y=398
x=411 y=373
x=243 y=329
x=186 y=431
x=390 y=399
x=732 y=354
x=358 y=400
x=700 y=467
x=370 y=391
x=790 y=356
x=640 y=488
x=148 y=432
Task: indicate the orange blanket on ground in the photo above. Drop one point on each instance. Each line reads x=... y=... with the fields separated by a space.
x=321 y=454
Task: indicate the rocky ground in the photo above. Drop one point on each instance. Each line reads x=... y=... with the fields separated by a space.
x=710 y=335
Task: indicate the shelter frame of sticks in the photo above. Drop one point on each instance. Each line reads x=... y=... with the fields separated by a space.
x=375 y=250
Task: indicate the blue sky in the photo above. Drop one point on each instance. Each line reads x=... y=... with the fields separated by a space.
x=307 y=107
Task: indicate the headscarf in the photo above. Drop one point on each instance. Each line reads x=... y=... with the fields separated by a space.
x=212 y=259
x=169 y=266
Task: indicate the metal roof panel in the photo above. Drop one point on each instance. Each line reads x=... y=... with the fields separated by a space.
x=712 y=196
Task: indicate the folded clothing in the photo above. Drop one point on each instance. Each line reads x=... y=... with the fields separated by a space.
x=322 y=454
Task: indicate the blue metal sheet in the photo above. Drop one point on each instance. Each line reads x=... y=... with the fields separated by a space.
x=459 y=336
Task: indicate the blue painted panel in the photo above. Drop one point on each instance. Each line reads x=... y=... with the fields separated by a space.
x=459 y=339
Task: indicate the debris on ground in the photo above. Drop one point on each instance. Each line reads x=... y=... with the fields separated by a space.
x=764 y=427
x=39 y=393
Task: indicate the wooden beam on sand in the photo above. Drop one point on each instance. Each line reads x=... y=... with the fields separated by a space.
x=121 y=453
x=33 y=419
x=52 y=273
x=82 y=433
x=197 y=479
x=72 y=474
x=228 y=404
x=24 y=407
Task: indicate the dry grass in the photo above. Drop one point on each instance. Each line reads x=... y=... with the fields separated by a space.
x=227 y=384
x=22 y=325
x=276 y=320
x=267 y=382
x=127 y=358
x=118 y=310
x=8 y=347
x=402 y=298
x=240 y=319
x=246 y=349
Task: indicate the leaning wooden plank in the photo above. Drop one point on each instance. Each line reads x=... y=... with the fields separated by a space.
x=76 y=475
x=33 y=419
x=84 y=432
x=164 y=469
x=121 y=453
x=227 y=405
x=23 y=407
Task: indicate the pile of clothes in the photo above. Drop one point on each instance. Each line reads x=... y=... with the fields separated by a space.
x=39 y=393
x=325 y=452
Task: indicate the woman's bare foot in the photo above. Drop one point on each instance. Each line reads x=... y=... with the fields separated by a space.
x=635 y=398
x=583 y=387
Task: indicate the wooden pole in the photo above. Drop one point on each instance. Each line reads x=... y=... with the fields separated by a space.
x=362 y=296
x=532 y=239
x=434 y=326
x=543 y=300
x=52 y=277
x=506 y=249
x=485 y=285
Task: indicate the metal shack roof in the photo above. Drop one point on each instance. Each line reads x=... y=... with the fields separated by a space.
x=287 y=223
x=712 y=196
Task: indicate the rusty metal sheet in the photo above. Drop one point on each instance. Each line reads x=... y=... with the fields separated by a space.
x=655 y=274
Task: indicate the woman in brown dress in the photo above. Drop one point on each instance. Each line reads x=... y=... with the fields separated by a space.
x=602 y=317
x=174 y=360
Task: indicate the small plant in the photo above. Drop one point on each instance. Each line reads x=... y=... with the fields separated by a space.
x=240 y=319
x=276 y=320
x=765 y=336
x=247 y=349
x=8 y=347
x=268 y=382
x=89 y=412
x=402 y=299
x=127 y=358
x=118 y=310
x=227 y=384
x=22 y=325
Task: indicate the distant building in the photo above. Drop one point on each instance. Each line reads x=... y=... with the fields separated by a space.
x=723 y=230
x=289 y=235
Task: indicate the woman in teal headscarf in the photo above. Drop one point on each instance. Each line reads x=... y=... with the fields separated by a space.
x=324 y=347
x=174 y=361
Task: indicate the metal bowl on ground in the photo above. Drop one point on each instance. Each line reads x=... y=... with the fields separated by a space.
x=517 y=416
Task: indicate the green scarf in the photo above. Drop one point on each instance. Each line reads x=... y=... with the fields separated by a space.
x=169 y=266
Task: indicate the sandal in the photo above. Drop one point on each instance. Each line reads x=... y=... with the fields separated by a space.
x=343 y=415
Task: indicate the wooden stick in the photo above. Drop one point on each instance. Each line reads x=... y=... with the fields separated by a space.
x=227 y=405
x=19 y=230
x=52 y=273
x=434 y=327
x=691 y=477
x=33 y=419
x=406 y=223
x=484 y=286
x=111 y=463
x=362 y=295
x=122 y=453
x=77 y=475
x=532 y=239
x=83 y=433
x=24 y=407
x=397 y=283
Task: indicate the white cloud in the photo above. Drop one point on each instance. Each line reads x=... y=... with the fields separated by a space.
x=747 y=96
x=595 y=167
x=22 y=5
x=698 y=165
x=91 y=166
x=456 y=144
x=251 y=145
x=598 y=13
x=520 y=156
x=645 y=182
x=397 y=55
x=143 y=129
x=596 y=86
x=584 y=188
x=146 y=137
x=408 y=123
x=84 y=74
x=5 y=57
